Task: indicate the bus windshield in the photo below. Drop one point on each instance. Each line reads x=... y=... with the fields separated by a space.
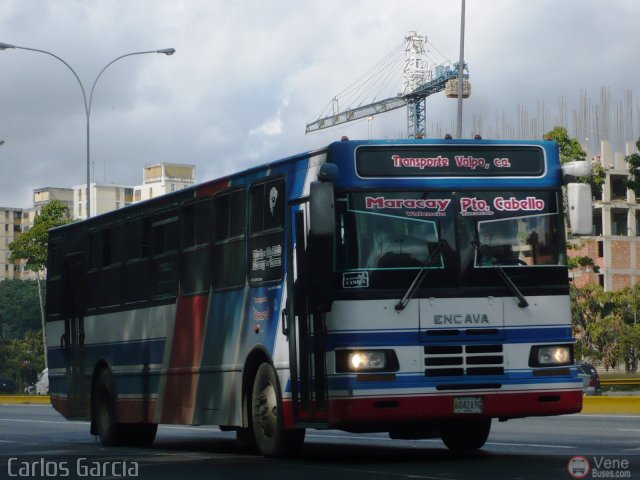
x=391 y=234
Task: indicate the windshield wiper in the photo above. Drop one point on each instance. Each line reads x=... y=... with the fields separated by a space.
x=522 y=302
x=404 y=301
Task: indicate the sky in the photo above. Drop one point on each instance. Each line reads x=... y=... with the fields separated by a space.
x=248 y=75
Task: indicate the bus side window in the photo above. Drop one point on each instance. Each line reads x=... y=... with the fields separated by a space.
x=95 y=250
x=229 y=239
x=111 y=246
x=196 y=224
x=165 y=233
x=137 y=245
x=266 y=231
x=195 y=271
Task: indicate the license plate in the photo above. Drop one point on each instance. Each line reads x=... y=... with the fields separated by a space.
x=467 y=405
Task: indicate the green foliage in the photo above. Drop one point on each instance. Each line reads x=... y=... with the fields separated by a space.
x=597 y=178
x=19 y=310
x=583 y=262
x=570 y=148
x=633 y=163
x=22 y=359
x=32 y=245
x=607 y=325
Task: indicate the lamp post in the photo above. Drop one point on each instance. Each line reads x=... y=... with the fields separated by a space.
x=460 y=73
x=87 y=101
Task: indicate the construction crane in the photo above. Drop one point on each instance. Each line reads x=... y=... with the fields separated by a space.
x=419 y=82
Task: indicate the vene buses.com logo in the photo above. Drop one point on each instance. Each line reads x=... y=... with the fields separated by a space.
x=578 y=467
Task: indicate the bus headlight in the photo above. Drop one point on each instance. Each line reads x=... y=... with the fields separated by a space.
x=366 y=361
x=551 y=355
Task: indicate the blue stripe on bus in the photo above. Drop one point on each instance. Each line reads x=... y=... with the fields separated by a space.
x=134 y=383
x=134 y=352
x=405 y=338
x=421 y=381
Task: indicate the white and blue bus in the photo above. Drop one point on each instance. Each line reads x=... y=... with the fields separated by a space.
x=416 y=287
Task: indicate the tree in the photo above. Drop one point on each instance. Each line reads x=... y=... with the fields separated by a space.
x=570 y=150
x=19 y=311
x=606 y=326
x=22 y=359
x=633 y=163
x=32 y=246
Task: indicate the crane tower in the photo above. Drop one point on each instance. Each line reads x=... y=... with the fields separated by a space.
x=419 y=81
x=415 y=72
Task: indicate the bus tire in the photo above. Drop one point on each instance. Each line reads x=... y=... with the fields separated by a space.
x=138 y=434
x=103 y=402
x=246 y=439
x=465 y=435
x=267 y=416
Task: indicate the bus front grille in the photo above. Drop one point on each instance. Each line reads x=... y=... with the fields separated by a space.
x=463 y=360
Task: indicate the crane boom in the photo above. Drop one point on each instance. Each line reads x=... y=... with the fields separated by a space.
x=419 y=83
x=356 y=113
x=441 y=74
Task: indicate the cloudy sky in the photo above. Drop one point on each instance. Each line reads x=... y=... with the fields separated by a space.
x=248 y=75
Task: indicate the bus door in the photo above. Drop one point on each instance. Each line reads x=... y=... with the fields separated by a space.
x=304 y=323
x=72 y=341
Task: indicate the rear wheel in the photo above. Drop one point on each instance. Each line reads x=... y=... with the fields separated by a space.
x=465 y=435
x=267 y=415
x=110 y=432
x=103 y=400
x=138 y=434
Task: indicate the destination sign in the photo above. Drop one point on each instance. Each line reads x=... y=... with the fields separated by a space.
x=450 y=161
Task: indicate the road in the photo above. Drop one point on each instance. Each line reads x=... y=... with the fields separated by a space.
x=35 y=441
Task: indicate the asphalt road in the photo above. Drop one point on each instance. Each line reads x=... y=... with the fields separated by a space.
x=36 y=442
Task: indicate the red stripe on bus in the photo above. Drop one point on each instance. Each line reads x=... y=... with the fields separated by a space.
x=366 y=412
x=179 y=400
x=209 y=189
x=135 y=410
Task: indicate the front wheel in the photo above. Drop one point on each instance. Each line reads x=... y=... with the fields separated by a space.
x=267 y=415
x=465 y=435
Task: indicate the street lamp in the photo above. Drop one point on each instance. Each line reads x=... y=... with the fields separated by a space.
x=87 y=102
x=460 y=72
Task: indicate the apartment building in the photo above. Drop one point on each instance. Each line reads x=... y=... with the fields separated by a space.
x=105 y=197
x=161 y=178
x=15 y=221
x=10 y=229
x=615 y=243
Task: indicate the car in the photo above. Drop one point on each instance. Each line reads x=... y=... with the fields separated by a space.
x=590 y=379
x=7 y=385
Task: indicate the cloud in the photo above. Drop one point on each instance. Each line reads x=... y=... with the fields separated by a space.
x=219 y=102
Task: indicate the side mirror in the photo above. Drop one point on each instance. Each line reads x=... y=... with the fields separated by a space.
x=580 y=208
x=321 y=209
x=575 y=169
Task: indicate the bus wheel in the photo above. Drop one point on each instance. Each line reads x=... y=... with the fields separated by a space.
x=138 y=434
x=104 y=409
x=246 y=439
x=465 y=435
x=268 y=423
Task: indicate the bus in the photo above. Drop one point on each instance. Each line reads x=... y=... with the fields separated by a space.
x=417 y=287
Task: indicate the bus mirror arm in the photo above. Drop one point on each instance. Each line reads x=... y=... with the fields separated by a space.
x=285 y=322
